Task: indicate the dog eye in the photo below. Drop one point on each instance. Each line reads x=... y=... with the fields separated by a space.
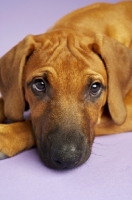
x=39 y=85
x=95 y=89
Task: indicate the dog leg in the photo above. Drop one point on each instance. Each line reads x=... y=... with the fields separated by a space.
x=15 y=138
x=108 y=127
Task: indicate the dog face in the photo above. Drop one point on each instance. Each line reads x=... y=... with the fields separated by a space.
x=66 y=93
x=67 y=79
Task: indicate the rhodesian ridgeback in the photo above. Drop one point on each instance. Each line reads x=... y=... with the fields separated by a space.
x=76 y=80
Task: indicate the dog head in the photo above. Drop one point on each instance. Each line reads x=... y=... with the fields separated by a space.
x=67 y=80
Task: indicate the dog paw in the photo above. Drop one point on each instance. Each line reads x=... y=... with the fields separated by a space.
x=3 y=156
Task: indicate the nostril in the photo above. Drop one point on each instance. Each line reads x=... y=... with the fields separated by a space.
x=58 y=160
x=58 y=163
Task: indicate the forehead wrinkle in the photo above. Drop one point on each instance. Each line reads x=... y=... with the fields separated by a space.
x=51 y=53
x=51 y=50
x=67 y=53
x=80 y=50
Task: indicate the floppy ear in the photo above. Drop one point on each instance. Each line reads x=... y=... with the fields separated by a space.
x=118 y=62
x=11 y=72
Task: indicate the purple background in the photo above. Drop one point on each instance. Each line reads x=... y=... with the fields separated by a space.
x=108 y=173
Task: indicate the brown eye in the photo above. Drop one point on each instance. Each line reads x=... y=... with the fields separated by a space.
x=95 y=89
x=39 y=85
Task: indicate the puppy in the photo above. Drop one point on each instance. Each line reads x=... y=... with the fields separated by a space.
x=76 y=81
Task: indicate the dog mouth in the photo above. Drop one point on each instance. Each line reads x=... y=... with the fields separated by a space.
x=64 y=152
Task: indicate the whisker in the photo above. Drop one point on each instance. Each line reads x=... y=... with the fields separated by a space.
x=100 y=144
x=105 y=144
x=98 y=147
x=97 y=154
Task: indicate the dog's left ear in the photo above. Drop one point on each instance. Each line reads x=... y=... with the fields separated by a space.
x=11 y=73
x=118 y=62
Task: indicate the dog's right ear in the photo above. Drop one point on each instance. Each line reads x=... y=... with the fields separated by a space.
x=11 y=73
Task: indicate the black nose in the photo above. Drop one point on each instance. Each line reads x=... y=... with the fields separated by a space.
x=65 y=156
x=66 y=148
